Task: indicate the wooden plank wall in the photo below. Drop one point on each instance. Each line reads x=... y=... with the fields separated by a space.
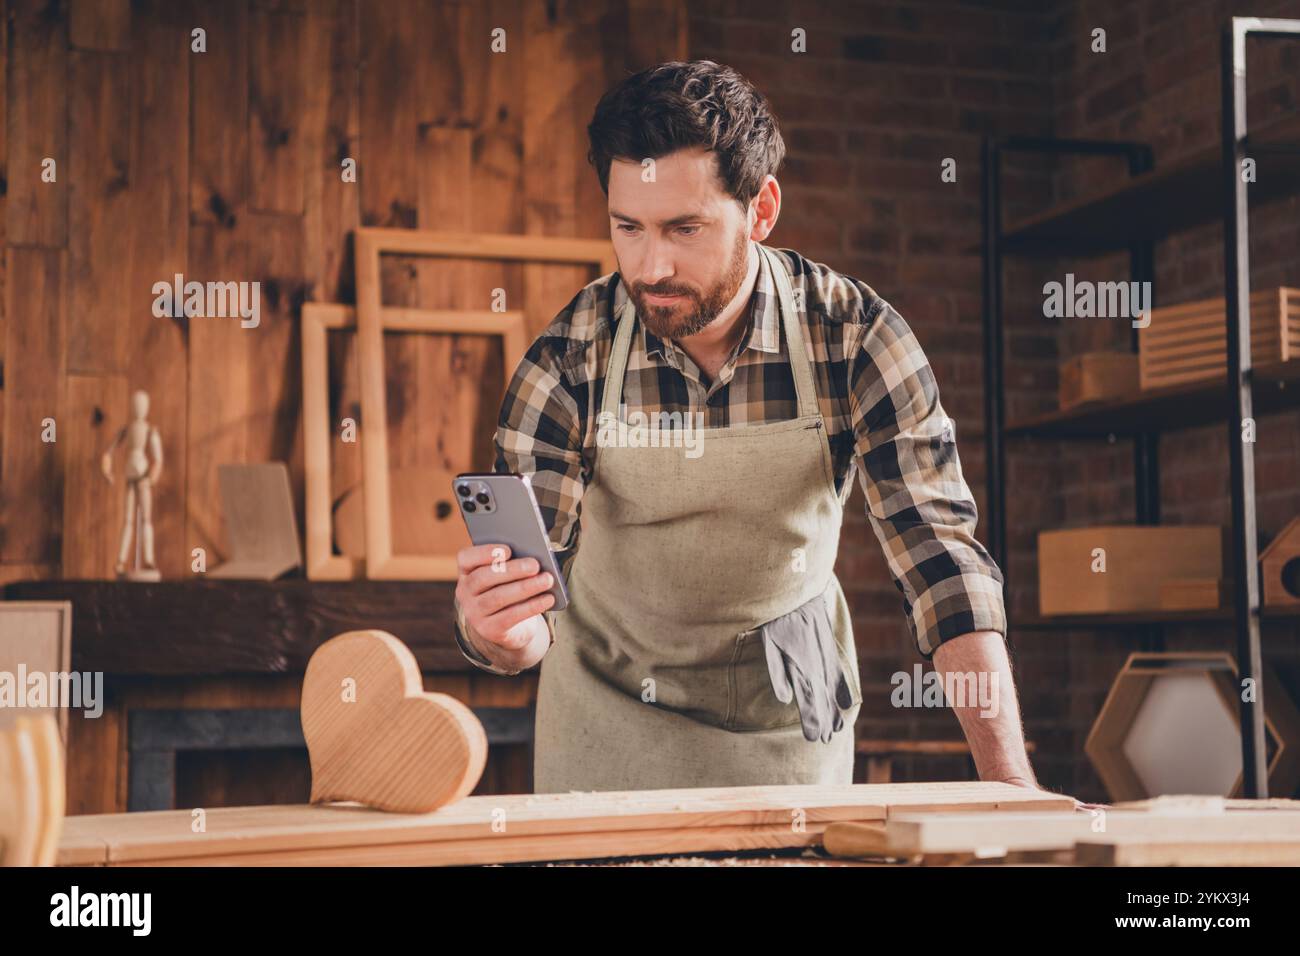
x=225 y=165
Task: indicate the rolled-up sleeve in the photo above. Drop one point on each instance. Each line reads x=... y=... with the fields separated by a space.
x=919 y=504
x=540 y=434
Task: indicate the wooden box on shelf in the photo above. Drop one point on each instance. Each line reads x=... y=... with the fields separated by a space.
x=1116 y=568
x=1191 y=594
x=1094 y=376
x=1188 y=342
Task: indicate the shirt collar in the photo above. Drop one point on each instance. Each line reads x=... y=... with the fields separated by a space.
x=764 y=315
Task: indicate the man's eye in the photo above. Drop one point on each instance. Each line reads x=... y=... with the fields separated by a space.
x=626 y=229
x=688 y=230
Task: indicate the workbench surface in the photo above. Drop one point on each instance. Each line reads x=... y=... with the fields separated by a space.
x=519 y=828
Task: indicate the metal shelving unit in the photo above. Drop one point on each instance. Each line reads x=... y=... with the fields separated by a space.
x=1146 y=207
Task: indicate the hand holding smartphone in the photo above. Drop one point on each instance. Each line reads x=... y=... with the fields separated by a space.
x=510 y=575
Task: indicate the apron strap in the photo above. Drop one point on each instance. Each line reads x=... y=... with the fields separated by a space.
x=800 y=361
x=613 y=391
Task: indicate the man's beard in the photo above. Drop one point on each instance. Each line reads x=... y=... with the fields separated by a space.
x=691 y=313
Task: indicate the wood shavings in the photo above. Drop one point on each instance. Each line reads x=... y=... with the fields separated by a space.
x=1183 y=804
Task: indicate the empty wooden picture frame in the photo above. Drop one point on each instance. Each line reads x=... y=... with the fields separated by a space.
x=317 y=318
x=373 y=318
x=38 y=636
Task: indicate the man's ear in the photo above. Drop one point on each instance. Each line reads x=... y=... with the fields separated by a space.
x=766 y=206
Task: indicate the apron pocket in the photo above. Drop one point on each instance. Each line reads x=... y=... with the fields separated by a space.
x=754 y=705
x=759 y=667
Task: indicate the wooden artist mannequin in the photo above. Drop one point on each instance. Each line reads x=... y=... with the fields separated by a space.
x=143 y=446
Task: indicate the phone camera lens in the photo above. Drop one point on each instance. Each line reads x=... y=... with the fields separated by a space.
x=469 y=505
x=463 y=490
x=481 y=497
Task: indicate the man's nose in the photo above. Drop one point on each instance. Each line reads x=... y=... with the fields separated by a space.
x=659 y=265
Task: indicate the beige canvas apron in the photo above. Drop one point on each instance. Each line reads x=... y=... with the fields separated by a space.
x=658 y=677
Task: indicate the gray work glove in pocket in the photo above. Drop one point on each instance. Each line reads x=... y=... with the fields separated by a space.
x=804 y=666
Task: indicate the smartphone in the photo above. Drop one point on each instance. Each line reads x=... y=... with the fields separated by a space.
x=502 y=509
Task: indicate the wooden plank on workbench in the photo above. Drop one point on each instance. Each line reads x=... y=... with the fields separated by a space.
x=1191 y=852
x=590 y=824
x=527 y=849
x=907 y=834
x=1206 y=803
x=81 y=850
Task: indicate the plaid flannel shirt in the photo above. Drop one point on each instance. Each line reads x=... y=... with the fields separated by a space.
x=877 y=393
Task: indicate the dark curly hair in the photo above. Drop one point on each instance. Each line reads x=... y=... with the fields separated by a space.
x=680 y=105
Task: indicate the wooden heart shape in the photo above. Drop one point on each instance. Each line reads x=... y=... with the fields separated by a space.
x=376 y=737
x=31 y=790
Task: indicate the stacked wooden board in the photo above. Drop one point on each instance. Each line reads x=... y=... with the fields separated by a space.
x=1188 y=832
x=520 y=827
x=1188 y=342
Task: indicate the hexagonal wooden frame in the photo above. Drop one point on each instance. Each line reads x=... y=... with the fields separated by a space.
x=1105 y=743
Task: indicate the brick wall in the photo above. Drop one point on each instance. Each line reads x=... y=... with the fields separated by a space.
x=885 y=92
